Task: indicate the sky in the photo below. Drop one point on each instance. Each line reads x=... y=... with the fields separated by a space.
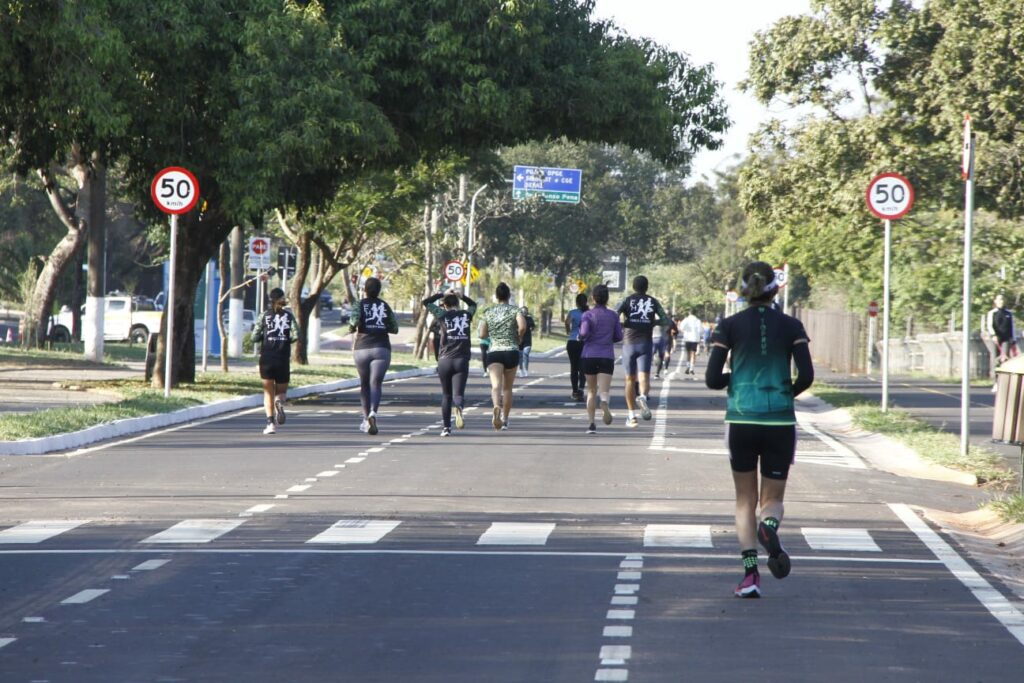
x=710 y=32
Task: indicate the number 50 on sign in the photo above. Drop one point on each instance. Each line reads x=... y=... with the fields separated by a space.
x=890 y=196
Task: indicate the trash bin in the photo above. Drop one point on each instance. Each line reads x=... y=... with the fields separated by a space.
x=1008 y=418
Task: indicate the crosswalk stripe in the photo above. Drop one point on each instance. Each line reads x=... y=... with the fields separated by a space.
x=356 y=531
x=678 y=536
x=516 y=533
x=38 y=531
x=195 y=531
x=840 y=539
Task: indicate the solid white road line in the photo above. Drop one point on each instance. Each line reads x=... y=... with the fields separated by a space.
x=195 y=531
x=4 y=642
x=678 y=536
x=356 y=531
x=85 y=596
x=994 y=601
x=38 y=531
x=858 y=540
x=149 y=565
x=516 y=533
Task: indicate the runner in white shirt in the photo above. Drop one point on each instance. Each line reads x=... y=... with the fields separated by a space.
x=691 y=329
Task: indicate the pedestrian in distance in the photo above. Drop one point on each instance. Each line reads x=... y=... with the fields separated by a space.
x=275 y=332
x=760 y=420
x=663 y=345
x=454 y=351
x=999 y=331
x=484 y=344
x=600 y=330
x=574 y=347
x=691 y=329
x=526 y=343
x=372 y=322
x=641 y=313
x=504 y=325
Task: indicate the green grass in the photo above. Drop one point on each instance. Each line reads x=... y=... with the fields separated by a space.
x=63 y=354
x=932 y=444
x=139 y=399
x=1011 y=508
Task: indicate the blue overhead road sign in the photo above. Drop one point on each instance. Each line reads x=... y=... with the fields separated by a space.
x=553 y=184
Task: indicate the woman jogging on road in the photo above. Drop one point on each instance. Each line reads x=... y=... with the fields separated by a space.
x=600 y=329
x=760 y=419
x=526 y=342
x=275 y=332
x=504 y=325
x=373 y=320
x=453 y=354
x=574 y=347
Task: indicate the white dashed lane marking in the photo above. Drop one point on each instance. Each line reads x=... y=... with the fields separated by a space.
x=39 y=530
x=195 y=531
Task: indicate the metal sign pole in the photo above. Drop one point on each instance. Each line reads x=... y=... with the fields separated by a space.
x=169 y=341
x=965 y=367
x=885 y=320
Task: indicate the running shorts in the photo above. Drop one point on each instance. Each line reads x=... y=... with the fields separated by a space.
x=598 y=366
x=691 y=346
x=637 y=357
x=509 y=359
x=277 y=369
x=775 y=445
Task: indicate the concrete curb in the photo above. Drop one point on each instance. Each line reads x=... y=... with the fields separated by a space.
x=136 y=425
x=880 y=451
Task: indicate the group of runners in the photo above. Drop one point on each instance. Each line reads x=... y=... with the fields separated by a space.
x=760 y=344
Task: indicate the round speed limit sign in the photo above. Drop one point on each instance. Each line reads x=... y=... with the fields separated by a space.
x=453 y=271
x=175 y=190
x=890 y=196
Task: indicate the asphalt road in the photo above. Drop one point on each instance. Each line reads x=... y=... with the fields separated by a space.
x=214 y=553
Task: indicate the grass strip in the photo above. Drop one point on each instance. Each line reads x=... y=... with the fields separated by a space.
x=115 y=354
x=139 y=399
x=931 y=443
x=1011 y=508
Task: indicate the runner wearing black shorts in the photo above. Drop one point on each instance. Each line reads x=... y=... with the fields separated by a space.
x=504 y=325
x=275 y=332
x=453 y=354
x=760 y=418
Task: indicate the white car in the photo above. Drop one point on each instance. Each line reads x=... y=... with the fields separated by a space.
x=248 y=320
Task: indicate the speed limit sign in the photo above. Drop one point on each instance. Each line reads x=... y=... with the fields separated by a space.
x=781 y=277
x=175 y=190
x=453 y=271
x=890 y=196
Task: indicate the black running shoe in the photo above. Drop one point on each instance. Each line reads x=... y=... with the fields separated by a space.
x=371 y=422
x=778 y=558
x=279 y=411
x=592 y=429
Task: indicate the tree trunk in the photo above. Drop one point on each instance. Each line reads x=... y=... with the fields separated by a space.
x=95 y=303
x=197 y=243
x=40 y=304
x=420 y=337
x=222 y=265
x=302 y=307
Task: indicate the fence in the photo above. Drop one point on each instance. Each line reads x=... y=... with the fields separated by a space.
x=839 y=343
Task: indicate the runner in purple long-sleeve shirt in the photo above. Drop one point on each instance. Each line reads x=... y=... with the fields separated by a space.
x=599 y=330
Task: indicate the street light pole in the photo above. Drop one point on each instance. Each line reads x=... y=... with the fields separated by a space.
x=471 y=237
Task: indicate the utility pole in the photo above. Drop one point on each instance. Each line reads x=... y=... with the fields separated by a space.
x=236 y=303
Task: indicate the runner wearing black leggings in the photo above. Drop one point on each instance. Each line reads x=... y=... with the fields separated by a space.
x=760 y=419
x=372 y=321
x=574 y=347
x=453 y=354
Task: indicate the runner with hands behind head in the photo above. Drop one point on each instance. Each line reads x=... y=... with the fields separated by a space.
x=760 y=420
x=453 y=353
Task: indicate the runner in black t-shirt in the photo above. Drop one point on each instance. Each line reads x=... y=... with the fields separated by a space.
x=640 y=314
x=453 y=354
x=760 y=418
x=372 y=320
x=274 y=332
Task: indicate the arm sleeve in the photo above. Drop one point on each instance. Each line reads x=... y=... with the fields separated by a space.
x=663 y=319
x=804 y=368
x=714 y=376
x=353 y=319
x=392 y=322
x=257 y=331
x=470 y=305
x=617 y=334
x=431 y=299
x=434 y=309
x=293 y=335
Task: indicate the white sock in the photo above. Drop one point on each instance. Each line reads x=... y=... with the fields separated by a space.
x=604 y=398
x=631 y=415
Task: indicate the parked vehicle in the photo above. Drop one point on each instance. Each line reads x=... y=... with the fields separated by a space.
x=248 y=320
x=326 y=301
x=123 y=319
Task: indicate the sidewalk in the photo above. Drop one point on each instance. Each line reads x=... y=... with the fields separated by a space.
x=937 y=403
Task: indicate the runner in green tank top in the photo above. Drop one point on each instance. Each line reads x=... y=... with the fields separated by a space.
x=504 y=325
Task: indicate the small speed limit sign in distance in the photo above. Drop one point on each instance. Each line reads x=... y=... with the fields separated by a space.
x=175 y=190
x=453 y=271
x=890 y=196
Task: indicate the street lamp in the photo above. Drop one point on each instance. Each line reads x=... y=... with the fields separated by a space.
x=471 y=237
